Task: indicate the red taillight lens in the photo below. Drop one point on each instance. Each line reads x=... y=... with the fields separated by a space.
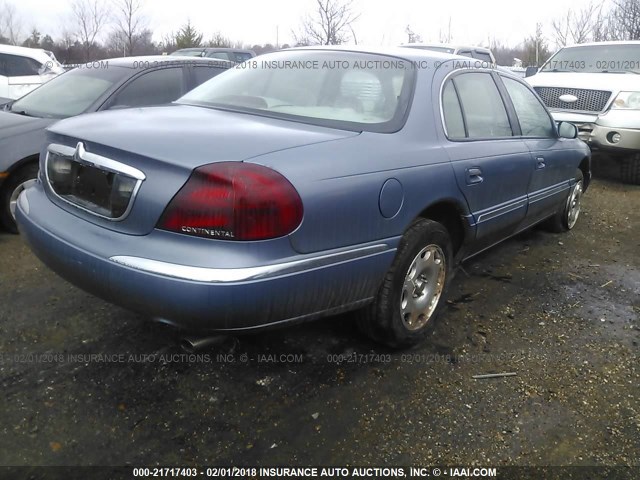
x=234 y=201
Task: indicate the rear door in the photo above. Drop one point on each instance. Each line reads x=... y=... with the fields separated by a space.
x=492 y=166
x=551 y=175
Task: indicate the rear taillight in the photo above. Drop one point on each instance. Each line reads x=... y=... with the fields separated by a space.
x=234 y=201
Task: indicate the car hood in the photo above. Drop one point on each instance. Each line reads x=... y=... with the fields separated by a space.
x=14 y=124
x=191 y=136
x=615 y=82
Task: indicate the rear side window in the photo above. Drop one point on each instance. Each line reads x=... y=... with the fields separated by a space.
x=204 y=73
x=452 y=112
x=482 y=106
x=484 y=56
x=154 y=88
x=533 y=117
x=240 y=57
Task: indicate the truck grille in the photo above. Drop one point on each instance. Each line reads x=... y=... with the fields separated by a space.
x=588 y=100
x=96 y=184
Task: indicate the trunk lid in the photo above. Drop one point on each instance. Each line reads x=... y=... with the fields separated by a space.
x=165 y=144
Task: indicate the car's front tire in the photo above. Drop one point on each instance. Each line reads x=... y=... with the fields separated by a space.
x=630 y=169
x=10 y=192
x=412 y=292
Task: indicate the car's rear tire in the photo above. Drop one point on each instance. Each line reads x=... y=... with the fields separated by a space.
x=566 y=218
x=10 y=192
x=406 y=306
x=630 y=169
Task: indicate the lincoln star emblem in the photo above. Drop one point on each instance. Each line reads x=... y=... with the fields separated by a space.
x=568 y=98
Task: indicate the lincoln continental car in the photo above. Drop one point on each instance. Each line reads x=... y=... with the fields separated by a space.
x=302 y=184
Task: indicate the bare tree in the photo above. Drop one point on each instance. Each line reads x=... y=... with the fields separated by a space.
x=331 y=24
x=130 y=23
x=578 y=26
x=625 y=20
x=91 y=17
x=219 y=40
x=10 y=23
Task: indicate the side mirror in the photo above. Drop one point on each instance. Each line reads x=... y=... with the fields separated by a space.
x=530 y=71
x=567 y=130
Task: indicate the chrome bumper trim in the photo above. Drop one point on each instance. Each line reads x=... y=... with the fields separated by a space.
x=230 y=275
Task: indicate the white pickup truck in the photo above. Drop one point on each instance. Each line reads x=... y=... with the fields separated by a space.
x=596 y=86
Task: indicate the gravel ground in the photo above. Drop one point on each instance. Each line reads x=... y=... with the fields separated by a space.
x=87 y=383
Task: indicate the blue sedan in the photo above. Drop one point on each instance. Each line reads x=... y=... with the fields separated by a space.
x=301 y=184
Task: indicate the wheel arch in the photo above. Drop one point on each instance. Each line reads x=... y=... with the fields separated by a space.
x=17 y=166
x=451 y=214
x=585 y=168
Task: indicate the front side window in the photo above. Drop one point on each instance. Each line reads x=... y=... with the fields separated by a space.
x=153 y=88
x=17 y=66
x=337 y=89
x=533 y=117
x=484 y=110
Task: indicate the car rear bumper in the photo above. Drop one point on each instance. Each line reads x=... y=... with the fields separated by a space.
x=195 y=297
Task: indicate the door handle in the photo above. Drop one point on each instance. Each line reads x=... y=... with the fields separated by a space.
x=540 y=163
x=474 y=176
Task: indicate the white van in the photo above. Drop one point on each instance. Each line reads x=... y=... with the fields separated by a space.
x=596 y=86
x=23 y=69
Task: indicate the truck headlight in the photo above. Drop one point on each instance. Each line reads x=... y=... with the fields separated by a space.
x=627 y=101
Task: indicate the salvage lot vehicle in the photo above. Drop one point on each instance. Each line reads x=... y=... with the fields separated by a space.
x=118 y=83
x=596 y=87
x=23 y=69
x=480 y=53
x=272 y=195
x=233 y=54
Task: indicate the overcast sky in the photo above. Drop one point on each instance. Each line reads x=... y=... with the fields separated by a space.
x=382 y=22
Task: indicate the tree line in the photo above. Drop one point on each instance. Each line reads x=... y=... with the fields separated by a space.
x=97 y=29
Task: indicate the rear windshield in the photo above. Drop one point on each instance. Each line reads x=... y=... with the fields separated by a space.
x=189 y=53
x=601 y=58
x=354 y=91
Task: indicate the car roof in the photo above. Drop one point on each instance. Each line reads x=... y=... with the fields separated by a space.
x=610 y=42
x=401 y=52
x=445 y=45
x=35 y=53
x=214 y=49
x=151 y=61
